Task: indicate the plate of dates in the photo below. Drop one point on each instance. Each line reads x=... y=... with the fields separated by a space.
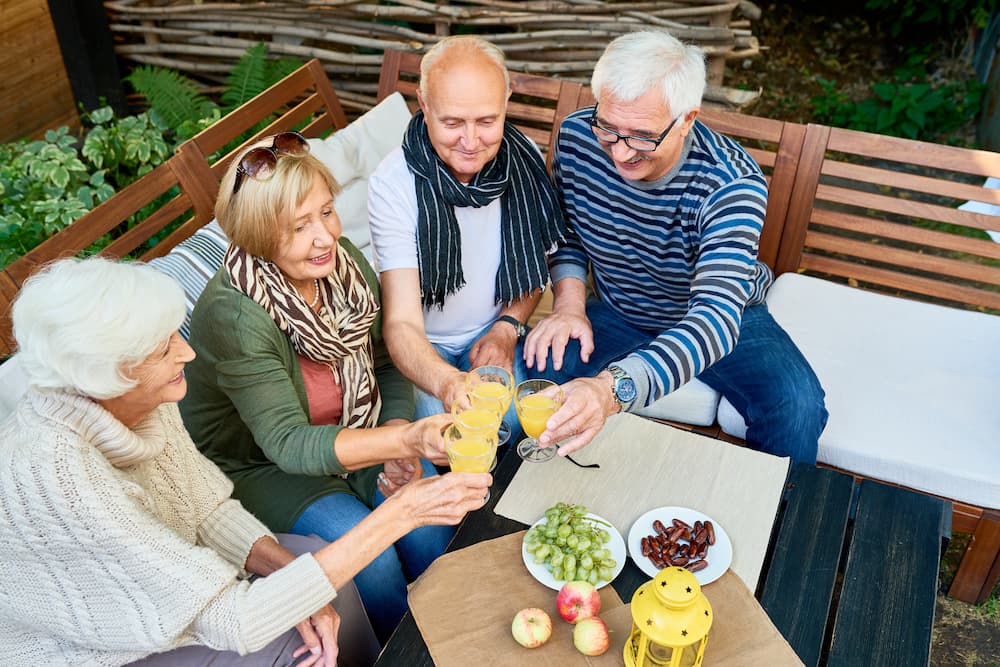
x=682 y=537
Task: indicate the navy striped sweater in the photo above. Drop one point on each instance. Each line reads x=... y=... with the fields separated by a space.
x=676 y=257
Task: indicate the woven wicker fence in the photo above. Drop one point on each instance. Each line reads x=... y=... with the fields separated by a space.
x=555 y=37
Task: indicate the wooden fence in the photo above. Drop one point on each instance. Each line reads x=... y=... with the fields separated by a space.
x=556 y=37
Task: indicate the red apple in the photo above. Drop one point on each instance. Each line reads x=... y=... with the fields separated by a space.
x=578 y=600
x=531 y=627
x=590 y=636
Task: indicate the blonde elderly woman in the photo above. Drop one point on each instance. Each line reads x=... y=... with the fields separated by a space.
x=120 y=539
x=293 y=394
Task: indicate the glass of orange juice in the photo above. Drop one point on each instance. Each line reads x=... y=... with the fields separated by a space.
x=470 y=452
x=535 y=401
x=487 y=384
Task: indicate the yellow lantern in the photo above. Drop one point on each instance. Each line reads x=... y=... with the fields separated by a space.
x=670 y=621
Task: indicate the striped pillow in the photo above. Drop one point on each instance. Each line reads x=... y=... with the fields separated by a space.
x=192 y=262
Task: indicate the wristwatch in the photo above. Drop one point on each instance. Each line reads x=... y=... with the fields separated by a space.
x=623 y=389
x=519 y=328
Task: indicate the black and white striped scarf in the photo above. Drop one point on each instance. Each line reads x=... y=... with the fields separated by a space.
x=343 y=343
x=531 y=220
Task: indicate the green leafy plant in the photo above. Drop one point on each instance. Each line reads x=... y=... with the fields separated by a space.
x=909 y=104
x=938 y=15
x=254 y=73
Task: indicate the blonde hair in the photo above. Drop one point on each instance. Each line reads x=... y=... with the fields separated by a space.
x=635 y=63
x=82 y=324
x=465 y=45
x=252 y=218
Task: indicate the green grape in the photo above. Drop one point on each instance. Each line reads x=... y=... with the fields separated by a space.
x=605 y=574
x=564 y=531
x=557 y=559
x=572 y=541
x=583 y=545
x=586 y=562
x=557 y=573
x=569 y=563
x=542 y=551
x=593 y=577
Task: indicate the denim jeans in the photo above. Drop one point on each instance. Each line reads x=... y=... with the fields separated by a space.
x=765 y=377
x=427 y=405
x=382 y=583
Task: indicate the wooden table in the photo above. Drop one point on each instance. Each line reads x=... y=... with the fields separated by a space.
x=850 y=577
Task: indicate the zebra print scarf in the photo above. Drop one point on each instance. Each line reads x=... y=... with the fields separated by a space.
x=342 y=340
x=531 y=219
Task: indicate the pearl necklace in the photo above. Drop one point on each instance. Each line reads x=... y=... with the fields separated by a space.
x=315 y=298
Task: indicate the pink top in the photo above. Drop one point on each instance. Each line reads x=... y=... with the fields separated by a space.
x=326 y=398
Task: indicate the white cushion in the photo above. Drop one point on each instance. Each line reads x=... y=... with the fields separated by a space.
x=911 y=387
x=694 y=403
x=352 y=154
x=13 y=384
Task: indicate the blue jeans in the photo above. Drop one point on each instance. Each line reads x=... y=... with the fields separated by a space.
x=382 y=583
x=765 y=377
x=427 y=405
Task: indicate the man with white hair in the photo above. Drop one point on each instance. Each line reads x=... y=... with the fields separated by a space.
x=667 y=215
x=462 y=217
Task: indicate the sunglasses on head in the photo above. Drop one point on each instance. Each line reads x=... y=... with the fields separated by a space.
x=259 y=163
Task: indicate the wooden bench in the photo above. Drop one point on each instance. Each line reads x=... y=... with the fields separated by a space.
x=826 y=213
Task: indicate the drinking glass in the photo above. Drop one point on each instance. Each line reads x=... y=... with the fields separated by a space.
x=484 y=417
x=488 y=383
x=470 y=452
x=535 y=401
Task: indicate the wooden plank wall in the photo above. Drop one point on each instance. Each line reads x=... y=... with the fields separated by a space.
x=34 y=88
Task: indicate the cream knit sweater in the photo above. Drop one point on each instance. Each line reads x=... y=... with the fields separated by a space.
x=118 y=543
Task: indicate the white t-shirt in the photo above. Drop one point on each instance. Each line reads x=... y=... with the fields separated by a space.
x=392 y=216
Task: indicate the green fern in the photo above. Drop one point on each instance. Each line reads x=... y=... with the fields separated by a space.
x=173 y=97
x=253 y=74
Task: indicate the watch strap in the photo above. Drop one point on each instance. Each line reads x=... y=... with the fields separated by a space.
x=519 y=327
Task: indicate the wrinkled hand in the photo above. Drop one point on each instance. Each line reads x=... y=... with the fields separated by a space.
x=425 y=438
x=319 y=637
x=587 y=403
x=444 y=499
x=553 y=333
x=495 y=348
x=398 y=473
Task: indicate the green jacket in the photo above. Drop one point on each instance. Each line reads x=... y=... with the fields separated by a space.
x=246 y=406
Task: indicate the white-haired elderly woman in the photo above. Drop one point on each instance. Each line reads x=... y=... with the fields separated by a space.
x=121 y=542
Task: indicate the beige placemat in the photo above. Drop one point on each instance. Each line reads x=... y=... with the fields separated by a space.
x=464 y=604
x=645 y=465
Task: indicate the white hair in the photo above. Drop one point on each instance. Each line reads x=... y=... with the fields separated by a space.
x=82 y=324
x=466 y=45
x=637 y=62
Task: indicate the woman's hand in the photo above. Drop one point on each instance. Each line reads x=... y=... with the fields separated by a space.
x=398 y=473
x=319 y=637
x=443 y=499
x=424 y=438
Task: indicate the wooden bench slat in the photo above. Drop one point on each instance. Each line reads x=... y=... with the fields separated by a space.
x=902 y=258
x=887 y=599
x=907 y=207
x=798 y=599
x=959 y=295
x=518 y=111
x=143 y=231
x=899 y=180
x=904 y=232
x=909 y=151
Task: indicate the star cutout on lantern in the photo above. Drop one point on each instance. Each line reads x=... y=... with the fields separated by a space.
x=648 y=622
x=688 y=589
x=684 y=633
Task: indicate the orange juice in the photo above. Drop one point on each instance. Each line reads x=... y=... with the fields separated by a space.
x=476 y=420
x=533 y=411
x=491 y=392
x=471 y=454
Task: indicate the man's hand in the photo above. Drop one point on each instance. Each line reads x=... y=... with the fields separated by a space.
x=495 y=348
x=553 y=333
x=319 y=637
x=587 y=403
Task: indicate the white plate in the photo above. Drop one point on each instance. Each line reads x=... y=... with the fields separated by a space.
x=720 y=554
x=615 y=543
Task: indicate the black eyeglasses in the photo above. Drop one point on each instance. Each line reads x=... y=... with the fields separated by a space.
x=259 y=163
x=641 y=144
